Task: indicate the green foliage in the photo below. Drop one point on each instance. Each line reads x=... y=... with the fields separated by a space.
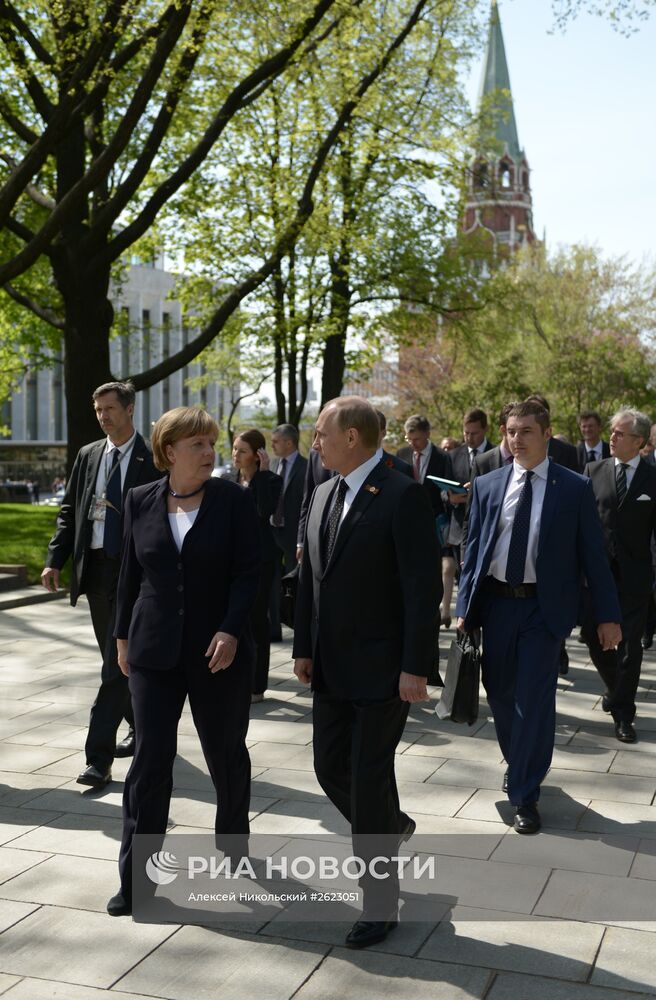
x=576 y=327
x=25 y=530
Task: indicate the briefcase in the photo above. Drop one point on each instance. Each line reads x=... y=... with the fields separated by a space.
x=459 y=701
x=288 y=586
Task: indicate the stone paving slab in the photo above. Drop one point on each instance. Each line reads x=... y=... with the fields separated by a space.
x=517 y=987
x=83 y=884
x=626 y=961
x=602 y=898
x=77 y=836
x=360 y=974
x=497 y=940
x=43 y=989
x=76 y=946
x=206 y=964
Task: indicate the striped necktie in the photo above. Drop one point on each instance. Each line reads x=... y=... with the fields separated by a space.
x=620 y=479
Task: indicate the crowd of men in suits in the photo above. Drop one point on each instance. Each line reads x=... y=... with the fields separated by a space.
x=540 y=534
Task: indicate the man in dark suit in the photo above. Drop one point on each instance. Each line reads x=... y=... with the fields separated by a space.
x=391 y=461
x=89 y=529
x=290 y=466
x=624 y=487
x=495 y=458
x=315 y=474
x=366 y=618
x=533 y=533
x=425 y=459
x=474 y=432
x=591 y=448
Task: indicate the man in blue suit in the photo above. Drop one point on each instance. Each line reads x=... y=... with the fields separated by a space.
x=534 y=532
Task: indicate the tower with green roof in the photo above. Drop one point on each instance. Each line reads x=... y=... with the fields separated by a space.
x=498 y=194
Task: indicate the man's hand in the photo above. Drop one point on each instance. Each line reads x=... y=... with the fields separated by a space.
x=222 y=649
x=412 y=688
x=122 y=647
x=303 y=669
x=460 y=624
x=50 y=579
x=299 y=553
x=610 y=635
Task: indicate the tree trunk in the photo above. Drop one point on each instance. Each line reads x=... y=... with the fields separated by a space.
x=88 y=316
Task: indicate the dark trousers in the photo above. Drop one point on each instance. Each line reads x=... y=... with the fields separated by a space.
x=220 y=705
x=619 y=668
x=520 y=673
x=261 y=628
x=354 y=747
x=112 y=702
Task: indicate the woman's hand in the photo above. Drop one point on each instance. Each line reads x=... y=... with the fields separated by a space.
x=263 y=456
x=222 y=651
x=122 y=647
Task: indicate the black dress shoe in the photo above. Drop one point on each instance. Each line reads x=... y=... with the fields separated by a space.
x=647 y=640
x=366 y=932
x=625 y=732
x=504 y=783
x=527 y=819
x=119 y=905
x=94 y=777
x=605 y=702
x=407 y=830
x=126 y=747
x=563 y=663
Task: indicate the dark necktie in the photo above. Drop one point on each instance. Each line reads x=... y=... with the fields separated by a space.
x=519 y=537
x=334 y=521
x=620 y=479
x=416 y=466
x=278 y=518
x=112 y=532
x=591 y=457
x=473 y=452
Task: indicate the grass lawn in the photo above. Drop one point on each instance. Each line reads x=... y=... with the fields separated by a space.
x=25 y=531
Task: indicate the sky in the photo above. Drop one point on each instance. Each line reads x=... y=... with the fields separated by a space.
x=585 y=106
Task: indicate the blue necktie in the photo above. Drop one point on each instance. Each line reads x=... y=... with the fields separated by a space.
x=519 y=536
x=112 y=532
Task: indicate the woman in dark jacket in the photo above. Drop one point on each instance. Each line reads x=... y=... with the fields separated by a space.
x=189 y=577
x=252 y=471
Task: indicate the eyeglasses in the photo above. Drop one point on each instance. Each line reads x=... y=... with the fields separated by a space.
x=622 y=434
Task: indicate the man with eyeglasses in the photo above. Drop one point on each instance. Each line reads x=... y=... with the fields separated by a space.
x=624 y=486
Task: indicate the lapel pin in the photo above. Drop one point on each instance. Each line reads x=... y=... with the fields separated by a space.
x=139 y=458
x=372 y=489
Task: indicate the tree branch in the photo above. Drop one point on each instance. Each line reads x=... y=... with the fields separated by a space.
x=47 y=315
x=40 y=99
x=37 y=196
x=22 y=130
x=270 y=68
x=304 y=209
x=34 y=43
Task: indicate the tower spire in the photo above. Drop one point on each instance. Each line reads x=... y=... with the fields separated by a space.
x=494 y=79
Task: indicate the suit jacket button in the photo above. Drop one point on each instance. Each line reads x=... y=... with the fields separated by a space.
x=180 y=611
x=180 y=565
x=180 y=587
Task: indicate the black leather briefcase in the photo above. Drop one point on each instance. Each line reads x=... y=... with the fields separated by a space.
x=459 y=701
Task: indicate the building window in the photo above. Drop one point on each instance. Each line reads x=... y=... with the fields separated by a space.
x=166 y=351
x=145 y=364
x=481 y=176
x=505 y=176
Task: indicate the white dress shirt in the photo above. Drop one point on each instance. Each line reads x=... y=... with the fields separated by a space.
x=507 y=518
x=630 y=472
x=289 y=462
x=423 y=461
x=104 y=469
x=356 y=480
x=473 y=452
x=596 y=449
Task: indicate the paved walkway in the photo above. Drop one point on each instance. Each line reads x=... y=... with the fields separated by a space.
x=567 y=915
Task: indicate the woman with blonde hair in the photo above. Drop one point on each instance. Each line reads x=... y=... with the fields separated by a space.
x=189 y=577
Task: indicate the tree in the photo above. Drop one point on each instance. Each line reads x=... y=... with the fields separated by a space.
x=107 y=112
x=572 y=325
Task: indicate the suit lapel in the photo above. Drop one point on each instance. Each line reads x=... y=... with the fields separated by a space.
x=364 y=498
x=611 y=482
x=550 y=502
x=135 y=465
x=93 y=466
x=321 y=502
x=495 y=504
x=639 y=476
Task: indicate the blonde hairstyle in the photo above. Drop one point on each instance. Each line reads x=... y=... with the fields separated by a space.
x=172 y=426
x=358 y=413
